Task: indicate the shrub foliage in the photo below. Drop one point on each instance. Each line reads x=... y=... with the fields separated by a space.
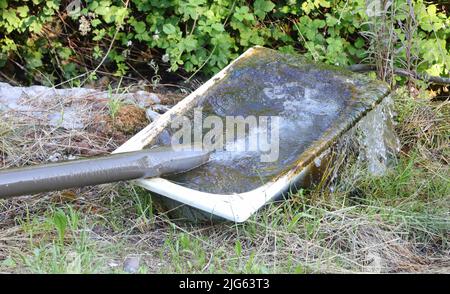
x=56 y=40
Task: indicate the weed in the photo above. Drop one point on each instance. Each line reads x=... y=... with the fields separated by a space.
x=114 y=103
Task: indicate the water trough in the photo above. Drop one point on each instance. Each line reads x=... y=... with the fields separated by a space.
x=315 y=104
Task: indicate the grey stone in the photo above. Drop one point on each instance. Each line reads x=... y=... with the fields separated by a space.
x=152 y=115
x=154 y=98
x=131 y=264
x=68 y=119
x=160 y=108
x=144 y=99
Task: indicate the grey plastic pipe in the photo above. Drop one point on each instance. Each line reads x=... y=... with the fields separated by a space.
x=99 y=170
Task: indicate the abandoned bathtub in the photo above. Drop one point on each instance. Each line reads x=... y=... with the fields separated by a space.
x=312 y=105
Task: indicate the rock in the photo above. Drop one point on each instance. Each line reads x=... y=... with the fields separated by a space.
x=131 y=264
x=72 y=157
x=42 y=103
x=35 y=99
x=152 y=115
x=142 y=99
x=68 y=119
x=10 y=98
x=153 y=98
x=145 y=99
x=54 y=157
x=160 y=108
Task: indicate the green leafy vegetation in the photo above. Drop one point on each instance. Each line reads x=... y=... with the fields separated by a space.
x=52 y=44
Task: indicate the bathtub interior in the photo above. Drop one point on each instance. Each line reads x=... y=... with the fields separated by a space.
x=307 y=98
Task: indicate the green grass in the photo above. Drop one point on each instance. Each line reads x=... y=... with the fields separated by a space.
x=398 y=222
x=114 y=103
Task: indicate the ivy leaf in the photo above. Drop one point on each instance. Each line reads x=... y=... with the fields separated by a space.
x=262 y=7
x=95 y=22
x=435 y=69
x=35 y=25
x=243 y=13
x=64 y=53
x=52 y=4
x=99 y=34
x=318 y=23
x=102 y=10
x=8 y=45
x=10 y=16
x=34 y=62
x=323 y=3
x=22 y=10
x=218 y=27
x=359 y=43
x=187 y=44
x=431 y=10
x=120 y=15
x=169 y=29
x=139 y=26
x=97 y=52
x=307 y=7
x=3 y=4
x=331 y=20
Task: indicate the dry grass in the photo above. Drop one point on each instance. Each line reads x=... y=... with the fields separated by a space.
x=386 y=227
